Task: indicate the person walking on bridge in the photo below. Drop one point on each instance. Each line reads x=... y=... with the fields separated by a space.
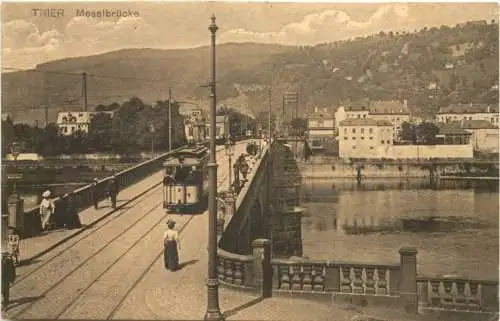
x=171 y=245
x=47 y=209
x=112 y=190
x=8 y=277
x=95 y=193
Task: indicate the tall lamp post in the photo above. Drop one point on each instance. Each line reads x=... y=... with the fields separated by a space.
x=229 y=149
x=15 y=202
x=213 y=310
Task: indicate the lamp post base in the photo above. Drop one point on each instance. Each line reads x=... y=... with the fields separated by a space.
x=213 y=311
x=213 y=316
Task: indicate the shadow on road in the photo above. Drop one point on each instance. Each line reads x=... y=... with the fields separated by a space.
x=242 y=307
x=184 y=264
x=27 y=262
x=25 y=300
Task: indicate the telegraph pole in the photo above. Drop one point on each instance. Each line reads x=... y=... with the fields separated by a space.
x=84 y=89
x=213 y=311
x=169 y=119
x=269 y=135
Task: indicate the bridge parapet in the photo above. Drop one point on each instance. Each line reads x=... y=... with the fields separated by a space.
x=83 y=195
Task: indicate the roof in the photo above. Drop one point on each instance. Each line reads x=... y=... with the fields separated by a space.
x=320 y=115
x=79 y=117
x=388 y=107
x=452 y=128
x=477 y=124
x=364 y=122
x=468 y=109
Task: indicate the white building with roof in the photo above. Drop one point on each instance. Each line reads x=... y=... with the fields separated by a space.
x=364 y=138
x=70 y=122
x=459 y=112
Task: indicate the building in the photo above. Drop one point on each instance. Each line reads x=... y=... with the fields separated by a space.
x=485 y=136
x=6 y=116
x=221 y=127
x=393 y=111
x=70 y=122
x=195 y=126
x=389 y=110
x=458 y=112
x=364 y=138
x=321 y=129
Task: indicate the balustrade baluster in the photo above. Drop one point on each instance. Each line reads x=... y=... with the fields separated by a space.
x=435 y=293
x=358 y=280
x=238 y=273
x=460 y=295
x=307 y=280
x=318 y=277
x=473 y=300
x=447 y=298
x=370 y=281
x=229 y=271
x=345 y=284
x=296 y=277
x=285 y=282
x=382 y=281
x=220 y=269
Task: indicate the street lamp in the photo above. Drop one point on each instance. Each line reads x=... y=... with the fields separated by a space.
x=229 y=149
x=15 y=203
x=213 y=310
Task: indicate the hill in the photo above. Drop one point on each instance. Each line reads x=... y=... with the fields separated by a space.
x=429 y=67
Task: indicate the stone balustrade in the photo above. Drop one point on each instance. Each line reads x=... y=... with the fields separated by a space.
x=83 y=195
x=235 y=269
x=454 y=293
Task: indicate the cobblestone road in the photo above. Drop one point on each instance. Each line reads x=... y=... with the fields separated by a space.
x=90 y=275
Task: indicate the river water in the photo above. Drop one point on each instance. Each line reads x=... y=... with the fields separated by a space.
x=453 y=224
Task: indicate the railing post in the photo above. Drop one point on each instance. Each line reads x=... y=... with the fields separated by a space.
x=262 y=269
x=408 y=280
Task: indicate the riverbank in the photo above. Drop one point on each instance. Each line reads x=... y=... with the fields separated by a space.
x=333 y=167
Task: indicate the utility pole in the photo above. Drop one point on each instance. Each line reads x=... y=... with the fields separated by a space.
x=213 y=312
x=84 y=90
x=169 y=119
x=47 y=114
x=269 y=135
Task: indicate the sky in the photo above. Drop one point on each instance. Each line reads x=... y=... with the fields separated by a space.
x=29 y=39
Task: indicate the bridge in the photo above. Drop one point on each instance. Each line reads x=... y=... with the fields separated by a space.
x=112 y=268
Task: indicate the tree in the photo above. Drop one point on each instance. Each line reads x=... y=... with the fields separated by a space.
x=408 y=133
x=298 y=126
x=426 y=133
x=7 y=135
x=99 y=138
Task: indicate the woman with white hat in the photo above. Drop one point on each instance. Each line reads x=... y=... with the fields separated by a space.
x=47 y=208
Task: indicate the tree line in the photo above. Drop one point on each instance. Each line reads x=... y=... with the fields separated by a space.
x=133 y=127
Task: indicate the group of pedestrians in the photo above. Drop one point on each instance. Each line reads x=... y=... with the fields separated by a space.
x=64 y=215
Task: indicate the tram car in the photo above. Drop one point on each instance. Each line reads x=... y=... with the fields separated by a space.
x=185 y=180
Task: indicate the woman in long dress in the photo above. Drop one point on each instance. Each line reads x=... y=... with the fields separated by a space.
x=171 y=246
x=47 y=209
x=72 y=218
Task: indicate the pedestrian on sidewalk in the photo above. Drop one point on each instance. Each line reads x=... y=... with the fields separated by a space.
x=112 y=190
x=171 y=245
x=14 y=239
x=72 y=219
x=95 y=193
x=8 y=277
x=47 y=209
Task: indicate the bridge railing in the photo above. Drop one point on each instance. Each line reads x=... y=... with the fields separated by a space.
x=83 y=195
x=457 y=294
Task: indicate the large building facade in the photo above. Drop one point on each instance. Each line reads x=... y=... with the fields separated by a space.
x=321 y=129
x=364 y=137
x=459 y=112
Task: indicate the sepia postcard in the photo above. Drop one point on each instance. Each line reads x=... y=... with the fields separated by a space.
x=182 y=160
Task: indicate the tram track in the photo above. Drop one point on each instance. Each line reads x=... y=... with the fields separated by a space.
x=85 y=261
x=91 y=231
x=98 y=271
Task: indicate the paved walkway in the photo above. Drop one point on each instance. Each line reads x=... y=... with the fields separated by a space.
x=36 y=246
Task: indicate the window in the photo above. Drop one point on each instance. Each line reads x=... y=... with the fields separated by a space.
x=345 y=131
x=353 y=147
x=362 y=137
x=353 y=137
x=364 y=116
x=382 y=141
x=371 y=138
x=362 y=130
x=371 y=147
x=354 y=130
x=345 y=137
x=370 y=130
x=359 y=116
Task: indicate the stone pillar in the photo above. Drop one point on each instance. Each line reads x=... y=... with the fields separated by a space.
x=408 y=280
x=16 y=213
x=262 y=269
x=230 y=205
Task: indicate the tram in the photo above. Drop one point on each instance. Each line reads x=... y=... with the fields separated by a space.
x=185 y=180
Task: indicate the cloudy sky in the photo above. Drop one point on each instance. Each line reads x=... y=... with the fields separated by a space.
x=29 y=39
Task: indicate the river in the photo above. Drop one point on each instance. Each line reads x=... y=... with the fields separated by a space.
x=454 y=224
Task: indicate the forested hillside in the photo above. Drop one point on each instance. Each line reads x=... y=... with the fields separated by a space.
x=429 y=67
